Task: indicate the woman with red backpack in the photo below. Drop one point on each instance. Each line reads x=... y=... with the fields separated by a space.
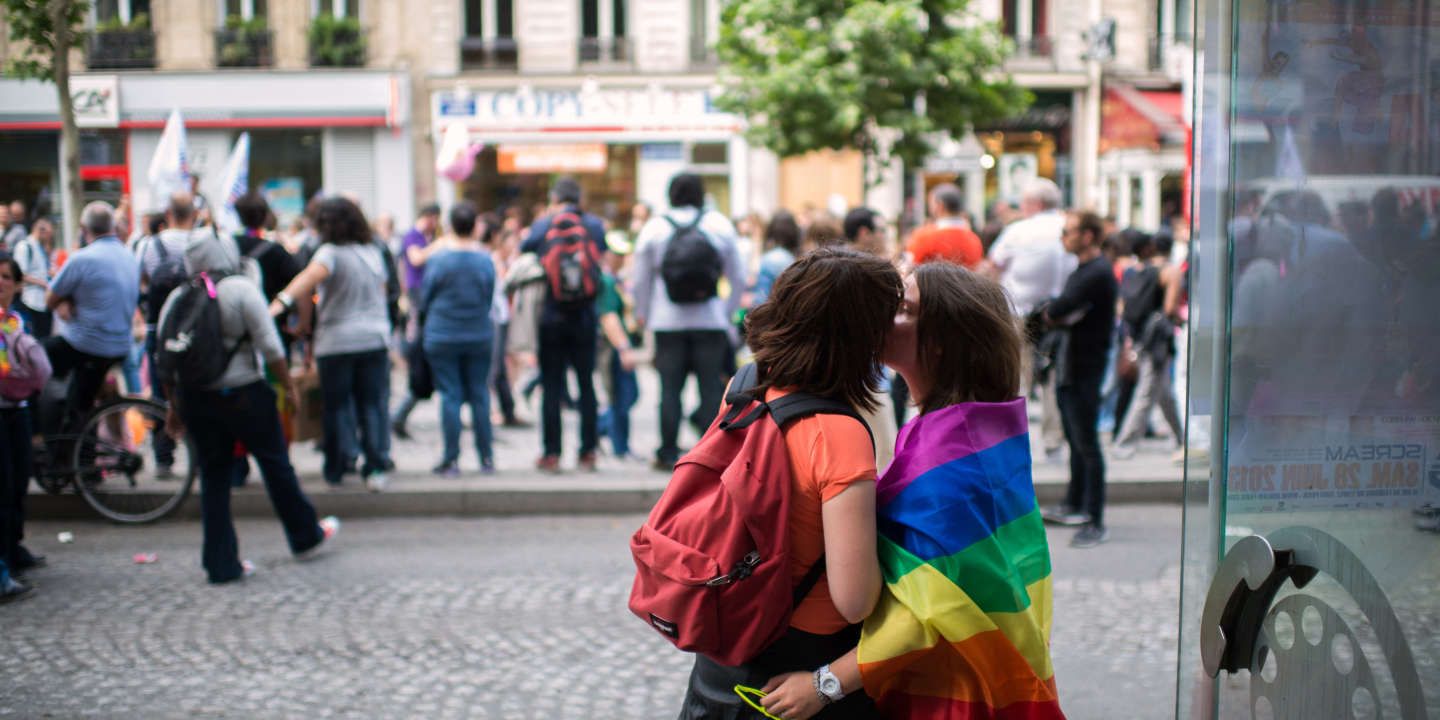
x=819 y=335
x=24 y=368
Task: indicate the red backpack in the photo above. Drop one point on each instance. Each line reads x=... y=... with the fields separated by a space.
x=713 y=559
x=571 y=262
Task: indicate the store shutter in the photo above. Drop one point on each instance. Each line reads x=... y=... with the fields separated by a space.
x=350 y=165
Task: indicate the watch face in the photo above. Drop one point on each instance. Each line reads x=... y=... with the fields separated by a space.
x=830 y=685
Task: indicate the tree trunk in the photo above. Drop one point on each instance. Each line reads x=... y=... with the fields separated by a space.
x=69 y=133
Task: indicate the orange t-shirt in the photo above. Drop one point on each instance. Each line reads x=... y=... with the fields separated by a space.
x=956 y=244
x=828 y=453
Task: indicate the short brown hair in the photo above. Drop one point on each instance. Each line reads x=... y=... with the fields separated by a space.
x=824 y=231
x=823 y=326
x=1086 y=221
x=968 y=340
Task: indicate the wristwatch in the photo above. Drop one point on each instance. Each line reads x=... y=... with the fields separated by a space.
x=827 y=686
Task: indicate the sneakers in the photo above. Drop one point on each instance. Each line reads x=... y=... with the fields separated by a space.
x=1429 y=523
x=398 y=430
x=662 y=465
x=487 y=467
x=1122 y=452
x=1062 y=515
x=12 y=589
x=1090 y=536
x=329 y=528
x=164 y=472
x=447 y=469
x=587 y=462
x=1055 y=456
x=377 y=482
x=548 y=464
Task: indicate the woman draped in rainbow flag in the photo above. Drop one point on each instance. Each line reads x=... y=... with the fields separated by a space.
x=962 y=628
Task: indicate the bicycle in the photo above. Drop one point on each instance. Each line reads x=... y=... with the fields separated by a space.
x=111 y=461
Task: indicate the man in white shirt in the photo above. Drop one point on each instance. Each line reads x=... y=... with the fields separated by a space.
x=1032 y=266
x=33 y=254
x=691 y=338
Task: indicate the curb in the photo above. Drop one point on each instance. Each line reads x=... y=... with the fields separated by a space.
x=252 y=502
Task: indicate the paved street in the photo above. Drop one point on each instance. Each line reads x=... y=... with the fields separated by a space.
x=485 y=618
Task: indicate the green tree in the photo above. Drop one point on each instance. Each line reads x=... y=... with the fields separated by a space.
x=47 y=30
x=881 y=76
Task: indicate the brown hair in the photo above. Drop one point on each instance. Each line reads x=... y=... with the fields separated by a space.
x=1089 y=222
x=967 y=338
x=824 y=231
x=822 y=328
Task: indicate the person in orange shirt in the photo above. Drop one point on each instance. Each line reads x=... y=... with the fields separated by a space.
x=821 y=333
x=949 y=237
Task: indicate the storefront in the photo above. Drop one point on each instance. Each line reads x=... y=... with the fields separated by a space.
x=336 y=132
x=1143 y=138
x=623 y=141
x=1311 y=566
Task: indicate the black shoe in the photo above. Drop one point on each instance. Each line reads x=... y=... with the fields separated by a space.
x=26 y=561
x=1090 y=536
x=662 y=465
x=12 y=589
x=1063 y=515
x=398 y=430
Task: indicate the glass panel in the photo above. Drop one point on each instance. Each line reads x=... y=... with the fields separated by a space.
x=138 y=8
x=233 y=7
x=107 y=10
x=281 y=159
x=620 y=17
x=260 y=9
x=1319 y=234
x=709 y=153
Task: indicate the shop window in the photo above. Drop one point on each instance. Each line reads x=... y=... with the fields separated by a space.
x=710 y=153
x=287 y=167
x=489 y=40
x=102 y=147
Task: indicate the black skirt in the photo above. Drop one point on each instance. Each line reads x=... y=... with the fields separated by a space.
x=711 y=693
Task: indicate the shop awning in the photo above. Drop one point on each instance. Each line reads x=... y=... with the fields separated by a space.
x=1131 y=118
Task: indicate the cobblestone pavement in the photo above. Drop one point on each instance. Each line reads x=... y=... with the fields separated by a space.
x=486 y=618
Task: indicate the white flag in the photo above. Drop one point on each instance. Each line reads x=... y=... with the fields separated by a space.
x=235 y=182
x=169 y=169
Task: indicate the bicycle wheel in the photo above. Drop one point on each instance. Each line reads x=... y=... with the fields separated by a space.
x=120 y=462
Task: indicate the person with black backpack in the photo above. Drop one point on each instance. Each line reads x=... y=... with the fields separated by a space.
x=680 y=258
x=213 y=331
x=1148 y=322
x=569 y=243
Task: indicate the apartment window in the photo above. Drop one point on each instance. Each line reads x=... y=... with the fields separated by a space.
x=121 y=12
x=489 y=40
x=335 y=8
x=1025 y=22
x=602 y=31
x=244 y=9
x=704 y=30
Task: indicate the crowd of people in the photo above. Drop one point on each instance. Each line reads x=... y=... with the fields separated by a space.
x=502 y=302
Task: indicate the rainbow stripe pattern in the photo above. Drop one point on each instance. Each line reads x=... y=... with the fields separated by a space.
x=9 y=327
x=962 y=629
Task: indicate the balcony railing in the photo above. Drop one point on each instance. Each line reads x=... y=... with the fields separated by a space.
x=1161 y=47
x=1035 y=46
x=242 y=47
x=120 y=49
x=606 y=51
x=336 y=42
x=489 y=53
x=702 y=53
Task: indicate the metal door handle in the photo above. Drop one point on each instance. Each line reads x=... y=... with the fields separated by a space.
x=1245 y=585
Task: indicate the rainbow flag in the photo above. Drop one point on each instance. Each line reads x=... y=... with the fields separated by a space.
x=962 y=629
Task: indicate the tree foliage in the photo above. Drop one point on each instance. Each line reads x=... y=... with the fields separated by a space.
x=32 y=24
x=880 y=76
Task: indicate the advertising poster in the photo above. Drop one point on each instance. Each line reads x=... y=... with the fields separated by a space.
x=286 y=197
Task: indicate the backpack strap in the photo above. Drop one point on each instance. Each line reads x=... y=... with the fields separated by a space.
x=794 y=406
x=807 y=583
x=677 y=227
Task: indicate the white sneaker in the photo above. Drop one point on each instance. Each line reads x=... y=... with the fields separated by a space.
x=1122 y=452
x=329 y=528
x=377 y=482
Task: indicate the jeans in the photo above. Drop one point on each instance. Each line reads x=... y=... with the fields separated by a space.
x=678 y=354
x=1080 y=415
x=15 y=471
x=355 y=388
x=216 y=420
x=164 y=446
x=461 y=373
x=1151 y=389
x=499 y=376
x=87 y=377
x=130 y=368
x=565 y=345
x=616 y=419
